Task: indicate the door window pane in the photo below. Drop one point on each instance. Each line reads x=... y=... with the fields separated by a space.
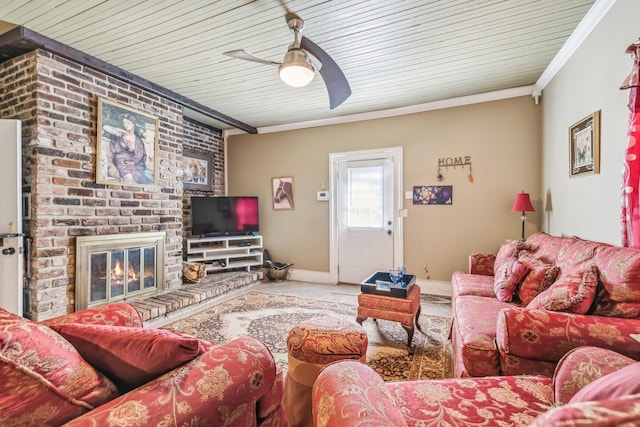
x=365 y=196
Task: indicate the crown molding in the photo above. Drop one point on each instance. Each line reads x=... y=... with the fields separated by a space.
x=584 y=28
x=401 y=111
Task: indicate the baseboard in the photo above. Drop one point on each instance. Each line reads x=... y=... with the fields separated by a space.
x=309 y=276
x=435 y=287
x=432 y=287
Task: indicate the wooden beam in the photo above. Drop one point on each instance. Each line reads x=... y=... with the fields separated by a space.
x=21 y=40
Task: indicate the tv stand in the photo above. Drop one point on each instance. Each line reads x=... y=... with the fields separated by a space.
x=226 y=252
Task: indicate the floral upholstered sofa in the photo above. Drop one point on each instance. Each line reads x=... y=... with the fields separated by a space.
x=591 y=386
x=100 y=367
x=520 y=310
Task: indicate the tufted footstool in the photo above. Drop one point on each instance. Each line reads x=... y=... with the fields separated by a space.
x=312 y=345
x=403 y=310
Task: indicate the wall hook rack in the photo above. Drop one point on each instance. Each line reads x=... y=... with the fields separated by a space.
x=454 y=162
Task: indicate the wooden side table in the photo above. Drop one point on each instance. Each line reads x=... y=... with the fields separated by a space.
x=403 y=310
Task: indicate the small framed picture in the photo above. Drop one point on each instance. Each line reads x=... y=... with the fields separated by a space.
x=381 y=285
x=198 y=171
x=282 y=188
x=433 y=195
x=584 y=146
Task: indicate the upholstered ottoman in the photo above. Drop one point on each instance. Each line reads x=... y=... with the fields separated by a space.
x=312 y=345
x=403 y=310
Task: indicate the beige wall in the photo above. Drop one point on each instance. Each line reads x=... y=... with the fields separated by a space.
x=502 y=137
x=589 y=206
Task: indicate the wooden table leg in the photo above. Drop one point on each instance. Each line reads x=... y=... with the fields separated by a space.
x=409 y=329
x=417 y=319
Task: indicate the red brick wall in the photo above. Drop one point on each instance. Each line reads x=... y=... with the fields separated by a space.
x=200 y=138
x=57 y=100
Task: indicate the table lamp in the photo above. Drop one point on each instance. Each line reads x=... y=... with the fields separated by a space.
x=522 y=204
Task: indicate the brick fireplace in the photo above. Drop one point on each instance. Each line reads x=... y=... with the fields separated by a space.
x=56 y=99
x=118 y=267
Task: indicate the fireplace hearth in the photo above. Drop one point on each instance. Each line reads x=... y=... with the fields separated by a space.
x=118 y=267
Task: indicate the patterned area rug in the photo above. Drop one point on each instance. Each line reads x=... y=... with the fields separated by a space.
x=270 y=317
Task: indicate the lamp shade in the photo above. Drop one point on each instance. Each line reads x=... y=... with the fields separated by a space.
x=522 y=203
x=296 y=71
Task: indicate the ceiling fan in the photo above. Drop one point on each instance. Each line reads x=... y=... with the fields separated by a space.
x=300 y=63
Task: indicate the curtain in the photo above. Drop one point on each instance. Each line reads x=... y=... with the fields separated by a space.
x=631 y=171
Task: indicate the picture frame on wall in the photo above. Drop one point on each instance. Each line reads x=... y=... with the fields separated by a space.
x=198 y=171
x=584 y=146
x=127 y=145
x=433 y=195
x=282 y=188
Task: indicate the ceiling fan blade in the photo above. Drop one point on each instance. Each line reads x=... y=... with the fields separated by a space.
x=337 y=84
x=243 y=54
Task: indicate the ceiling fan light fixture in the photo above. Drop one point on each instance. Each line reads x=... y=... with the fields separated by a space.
x=296 y=70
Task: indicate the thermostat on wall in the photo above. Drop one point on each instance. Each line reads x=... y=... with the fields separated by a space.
x=322 y=196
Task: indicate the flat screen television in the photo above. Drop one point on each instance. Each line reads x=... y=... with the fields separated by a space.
x=218 y=216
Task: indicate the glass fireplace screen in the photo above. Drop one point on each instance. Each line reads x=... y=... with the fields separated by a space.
x=122 y=273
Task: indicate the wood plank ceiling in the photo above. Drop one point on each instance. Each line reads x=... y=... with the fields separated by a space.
x=394 y=53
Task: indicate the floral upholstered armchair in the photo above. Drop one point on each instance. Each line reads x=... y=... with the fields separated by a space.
x=100 y=367
x=591 y=386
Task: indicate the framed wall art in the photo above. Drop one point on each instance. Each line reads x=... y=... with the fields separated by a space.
x=127 y=145
x=433 y=195
x=584 y=146
x=282 y=188
x=198 y=171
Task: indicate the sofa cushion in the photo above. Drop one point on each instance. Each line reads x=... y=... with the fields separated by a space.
x=508 y=277
x=508 y=251
x=545 y=247
x=584 y=365
x=45 y=381
x=576 y=254
x=538 y=279
x=116 y=314
x=491 y=401
x=475 y=335
x=472 y=284
x=624 y=411
x=611 y=386
x=620 y=278
x=130 y=356
x=574 y=293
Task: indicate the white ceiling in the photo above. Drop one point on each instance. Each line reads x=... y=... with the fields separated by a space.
x=395 y=53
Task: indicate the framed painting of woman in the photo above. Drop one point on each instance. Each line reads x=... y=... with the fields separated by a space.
x=127 y=145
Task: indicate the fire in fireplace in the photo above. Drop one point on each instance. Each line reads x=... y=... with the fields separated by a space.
x=118 y=267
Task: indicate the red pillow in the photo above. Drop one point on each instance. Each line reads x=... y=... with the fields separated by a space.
x=43 y=379
x=508 y=277
x=509 y=250
x=573 y=293
x=617 y=384
x=129 y=356
x=539 y=278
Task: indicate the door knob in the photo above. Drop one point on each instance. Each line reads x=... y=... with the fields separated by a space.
x=8 y=251
x=389 y=232
x=389 y=222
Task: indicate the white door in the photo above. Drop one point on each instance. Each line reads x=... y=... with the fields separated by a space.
x=11 y=216
x=366 y=223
